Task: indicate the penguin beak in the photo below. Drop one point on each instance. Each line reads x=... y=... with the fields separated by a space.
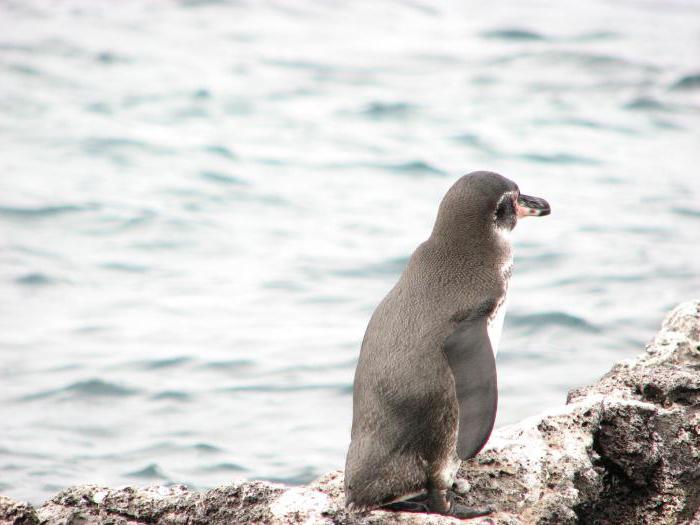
x=532 y=206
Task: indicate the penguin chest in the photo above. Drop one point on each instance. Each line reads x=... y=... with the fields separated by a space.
x=494 y=327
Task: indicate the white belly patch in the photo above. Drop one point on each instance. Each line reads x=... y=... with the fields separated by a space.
x=494 y=326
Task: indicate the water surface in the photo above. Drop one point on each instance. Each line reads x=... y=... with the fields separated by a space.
x=201 y=203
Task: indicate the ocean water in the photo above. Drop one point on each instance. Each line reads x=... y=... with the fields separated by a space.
x=201 y=203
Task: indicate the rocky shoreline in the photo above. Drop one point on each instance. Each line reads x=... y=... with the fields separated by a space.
x=625 y=450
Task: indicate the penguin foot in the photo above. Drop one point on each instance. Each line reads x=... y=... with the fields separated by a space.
x=463 y=512
x=444 y=505
x=457 y=510
x=406 y=506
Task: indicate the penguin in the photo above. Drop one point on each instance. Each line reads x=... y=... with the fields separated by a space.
x=425 y=391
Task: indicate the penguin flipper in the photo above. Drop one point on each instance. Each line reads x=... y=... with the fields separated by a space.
x=469 y=354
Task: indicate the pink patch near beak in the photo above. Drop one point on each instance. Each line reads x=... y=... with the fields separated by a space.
x=525 y=212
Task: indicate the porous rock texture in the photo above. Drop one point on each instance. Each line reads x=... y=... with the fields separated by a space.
x=625 y=450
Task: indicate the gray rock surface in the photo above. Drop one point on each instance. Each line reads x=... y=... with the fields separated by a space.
x=625 y=450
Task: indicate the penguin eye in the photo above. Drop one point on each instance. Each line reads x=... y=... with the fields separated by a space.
x=505 y=212
x=505 y=209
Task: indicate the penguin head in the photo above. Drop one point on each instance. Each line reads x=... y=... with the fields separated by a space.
x=483 y=205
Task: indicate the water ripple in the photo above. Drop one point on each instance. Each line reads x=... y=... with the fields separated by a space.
x=303 y=475
x=220 y=151
x=646 y=104
x=41 y=212
x=381 y=110
x=224 y=467
x=152 y=471
x=541 y=321
x=125 y=267
x=687 y=82
x=513 y=34
x=559 y=158
x=589 y=60
x=586 y=123
x=120 y=149
x=90 y=388
x=222 y=178
x=36 y=279
x=172 y=395
x=416 y=167
x=270 y=388
x=168 y=362
x=226 y=366
x=687 y=212
x=207 y=448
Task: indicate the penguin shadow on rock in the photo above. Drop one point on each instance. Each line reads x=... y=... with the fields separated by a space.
x=425 y=391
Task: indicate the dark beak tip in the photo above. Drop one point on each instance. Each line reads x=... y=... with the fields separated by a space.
x=539 y=206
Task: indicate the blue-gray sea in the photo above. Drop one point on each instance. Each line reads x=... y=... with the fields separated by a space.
x=201 y=203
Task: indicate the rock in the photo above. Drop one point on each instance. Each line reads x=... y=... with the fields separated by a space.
x=17 y=513
x=625 y=450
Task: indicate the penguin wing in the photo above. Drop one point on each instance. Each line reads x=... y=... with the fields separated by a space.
x=473 y=366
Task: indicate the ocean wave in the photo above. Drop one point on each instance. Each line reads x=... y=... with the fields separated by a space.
x=514 y=34
x=47 y=211
x=415 y=167
x=340 y=388
x=172 y=395
x=159 y=364
x=207 y=448
x=151 y=471
x=222 y=178
x=646 y=103
x=687 y=212
x=300 y=476
x=87 y=389
x=220 y=151
x=36 y=279
x=559 y=158
x=126 y=267
x=382 y=110
x=585 y=59
x=545 y=320
x=228 y=365
x=687 y=82
x=224 y=467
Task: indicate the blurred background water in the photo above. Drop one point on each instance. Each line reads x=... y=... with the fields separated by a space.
x=201 y=203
